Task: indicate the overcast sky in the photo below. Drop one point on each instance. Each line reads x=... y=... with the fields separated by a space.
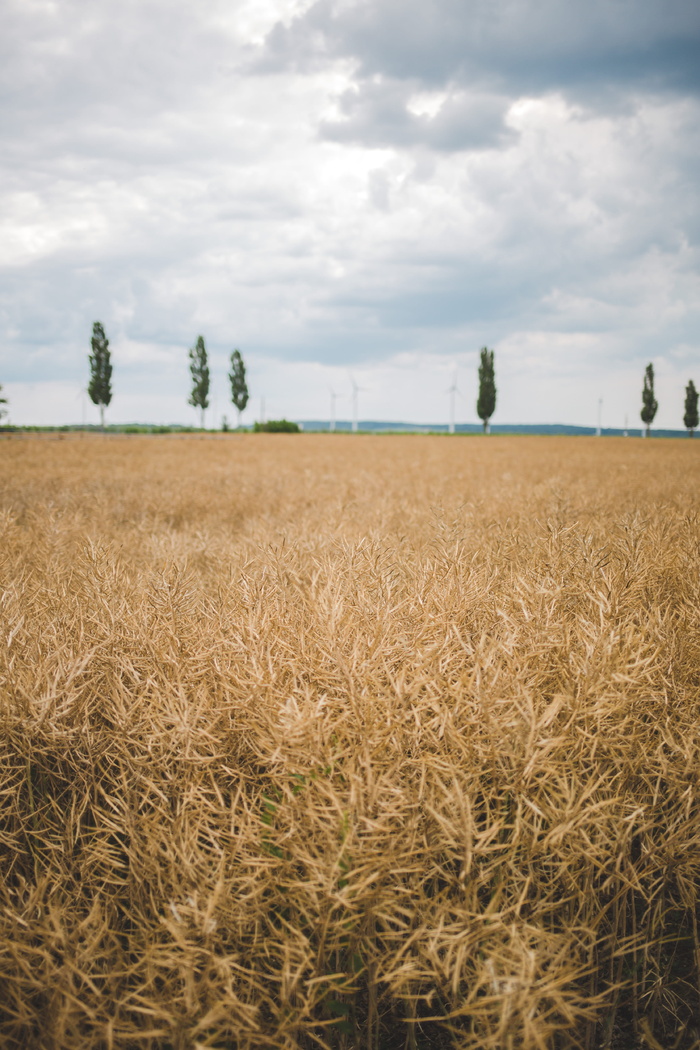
x=351 y=188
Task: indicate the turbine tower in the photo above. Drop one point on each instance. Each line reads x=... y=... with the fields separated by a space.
x=454 y=389
x=331 y=425
x=355 y=391
x=599 y=428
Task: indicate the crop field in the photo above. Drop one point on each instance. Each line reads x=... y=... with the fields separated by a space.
x=389 y=743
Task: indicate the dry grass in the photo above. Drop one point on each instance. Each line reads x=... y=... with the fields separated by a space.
x=349 y=742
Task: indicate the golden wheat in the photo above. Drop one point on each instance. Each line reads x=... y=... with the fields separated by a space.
x=342 y=741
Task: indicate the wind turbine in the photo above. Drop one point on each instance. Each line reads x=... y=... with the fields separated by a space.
x=355 y=391
x=454 y=389
x=600 y=417
x=331 y=425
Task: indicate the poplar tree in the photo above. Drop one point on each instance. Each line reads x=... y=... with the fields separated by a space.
x=239 y=387
x=100 y=385
x=3 y=401
x=486 y=404
x=649 y=402
x=691 y=408
x=199 y=369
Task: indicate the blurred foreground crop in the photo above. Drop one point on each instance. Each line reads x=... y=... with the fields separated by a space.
x=375 y=742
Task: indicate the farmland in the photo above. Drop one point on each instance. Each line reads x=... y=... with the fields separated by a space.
x=333 y=741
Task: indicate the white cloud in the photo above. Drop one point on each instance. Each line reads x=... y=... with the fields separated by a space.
x=426 y=103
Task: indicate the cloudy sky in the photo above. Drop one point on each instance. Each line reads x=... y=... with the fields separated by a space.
x=351 y=188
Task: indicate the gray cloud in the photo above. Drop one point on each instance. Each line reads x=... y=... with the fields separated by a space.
x=377 y=113
x=484 y=55
x=520 y=46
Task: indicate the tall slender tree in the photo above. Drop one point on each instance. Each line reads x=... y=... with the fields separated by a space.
x=690 y=418
x=3 y=401
x=486 y=403
x=100 y=385
x=649 y=402
x=239 y=387
x=199 y=369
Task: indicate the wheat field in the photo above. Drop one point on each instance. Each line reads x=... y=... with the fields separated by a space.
x=330 y=741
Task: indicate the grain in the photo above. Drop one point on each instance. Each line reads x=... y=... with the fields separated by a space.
x=332 y=741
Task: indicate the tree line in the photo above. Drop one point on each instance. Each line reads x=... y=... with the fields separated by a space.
x=100 y=389
x=650 y=404
x=100 y=385
x=199 y=370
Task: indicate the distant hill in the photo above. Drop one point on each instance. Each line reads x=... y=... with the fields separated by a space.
x=382 y=426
